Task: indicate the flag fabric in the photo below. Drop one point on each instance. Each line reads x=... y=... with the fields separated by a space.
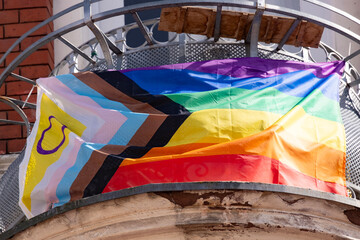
x=239 y=120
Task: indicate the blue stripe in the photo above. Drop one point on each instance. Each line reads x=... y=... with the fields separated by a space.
x=169 y=81
x=121 y=137
x=63 y=189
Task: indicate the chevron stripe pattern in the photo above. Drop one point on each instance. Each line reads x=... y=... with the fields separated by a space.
x=244 y=120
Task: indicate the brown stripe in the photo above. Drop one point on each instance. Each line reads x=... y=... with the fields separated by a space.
x=88 y=172
x=109 y=92
x=147 y=130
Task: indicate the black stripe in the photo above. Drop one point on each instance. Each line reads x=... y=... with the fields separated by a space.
x=113 y=162
x=127 y=86
x=109 y=167
x=165 y=132
x=178 y=114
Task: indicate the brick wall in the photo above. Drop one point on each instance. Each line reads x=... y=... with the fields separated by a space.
x=16 y=18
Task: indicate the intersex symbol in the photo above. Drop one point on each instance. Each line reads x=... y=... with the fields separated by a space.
x=39 y=144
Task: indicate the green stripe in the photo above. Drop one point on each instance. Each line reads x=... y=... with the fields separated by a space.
x=269 y=100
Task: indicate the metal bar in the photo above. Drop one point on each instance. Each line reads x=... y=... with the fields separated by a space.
x=252 y=37
x=144 y=30
x=98 y=34
x=23 y=78
x=120 y=43
x=248 y=35
x=353 y=186
x=77 y=50
x=182 y=47
x=12 y=122
x=22 y=103
x=288 y=34
x=335 y=10
x=112 y=46
x=172 y=3
x=217 y=23
x=28 y=96
x=160 y=4
x=354 y=83
x=7 y=101
x=354 y=54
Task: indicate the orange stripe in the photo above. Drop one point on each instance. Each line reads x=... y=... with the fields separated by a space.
x=313 y=159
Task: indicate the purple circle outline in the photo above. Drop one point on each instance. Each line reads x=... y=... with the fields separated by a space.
x=46 y=152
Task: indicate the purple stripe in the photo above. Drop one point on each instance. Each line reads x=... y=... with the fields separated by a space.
x=253 y=67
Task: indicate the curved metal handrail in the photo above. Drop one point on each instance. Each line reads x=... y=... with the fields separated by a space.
x=152 y=5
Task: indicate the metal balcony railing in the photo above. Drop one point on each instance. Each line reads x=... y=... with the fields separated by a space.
x=112 y=50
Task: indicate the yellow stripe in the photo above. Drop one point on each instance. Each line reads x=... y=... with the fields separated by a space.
x=313 y=129
x=38 y=163
x=224 y=125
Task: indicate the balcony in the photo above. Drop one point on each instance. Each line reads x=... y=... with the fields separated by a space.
x=113 y=49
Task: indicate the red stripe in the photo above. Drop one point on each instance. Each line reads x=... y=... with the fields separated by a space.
x=239 y=168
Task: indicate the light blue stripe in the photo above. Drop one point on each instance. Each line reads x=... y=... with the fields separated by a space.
x=131 y=125
x=129 y=128
x=63 y=189
x=82 y=89
x=121 y=137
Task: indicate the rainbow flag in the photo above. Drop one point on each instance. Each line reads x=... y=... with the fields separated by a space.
x=239 y=120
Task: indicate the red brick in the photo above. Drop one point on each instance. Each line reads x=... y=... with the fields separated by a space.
x=38 y=57
x=11 y=57
x=11 y=16
x=35 y=72
x=30 y=113
x=10 y=131
x=18 y=88
x=3 y=147
x=3 y=63
x=30 y=40
x=2 y=90
x=1 y=32
x=5 y=44
x=16 y=4
x=7 y=107
x=32 y=98
x=3 y=115
x=24 y=131
x=4 y=106
x=34 y=14
x=16 y=145
x=1 y=4
x=18 y=29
